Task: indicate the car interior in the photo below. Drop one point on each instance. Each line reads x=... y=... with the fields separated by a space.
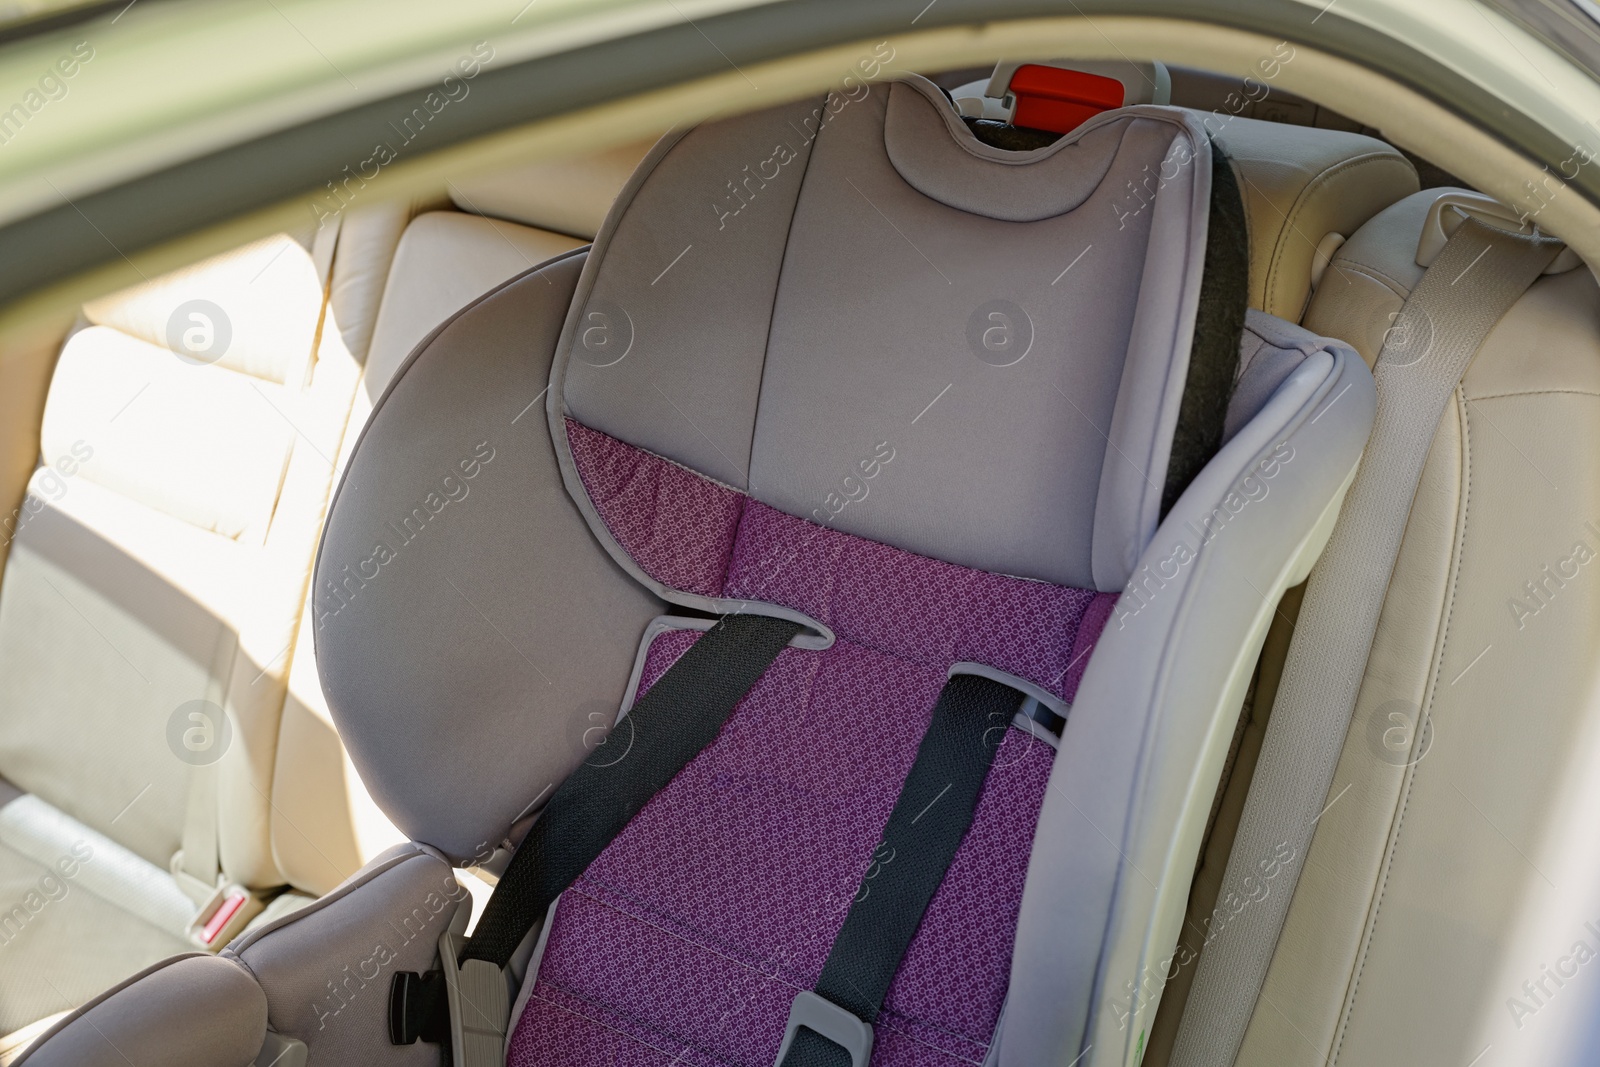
x=335 y=556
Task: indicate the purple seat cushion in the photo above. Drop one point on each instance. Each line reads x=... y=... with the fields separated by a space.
x=688 y=937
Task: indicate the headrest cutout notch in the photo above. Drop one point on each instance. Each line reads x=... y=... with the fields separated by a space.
x=960 y=171
x=962 y=134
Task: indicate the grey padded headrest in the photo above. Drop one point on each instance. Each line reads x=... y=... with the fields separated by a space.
x=774 y=295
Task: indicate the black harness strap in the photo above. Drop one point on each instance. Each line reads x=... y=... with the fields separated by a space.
x=679 y=716
x=929 y=821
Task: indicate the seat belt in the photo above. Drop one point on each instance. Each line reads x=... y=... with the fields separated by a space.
x=831 y=1026
x=222 y=907
x=1475 y=280
x=679 y=716
x=197 y=864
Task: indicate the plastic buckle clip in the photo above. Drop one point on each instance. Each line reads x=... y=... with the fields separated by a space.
x=1061 y=100
x=825 y=1018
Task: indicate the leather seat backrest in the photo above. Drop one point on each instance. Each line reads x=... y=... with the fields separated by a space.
x=1306 y=191
x=161 y=555
x=1428 y=917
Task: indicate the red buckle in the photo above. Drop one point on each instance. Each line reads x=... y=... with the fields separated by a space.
x=226 y=910
x=1050 y=98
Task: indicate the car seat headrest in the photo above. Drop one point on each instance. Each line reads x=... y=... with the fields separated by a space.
x=867 y=277
x=570 y=194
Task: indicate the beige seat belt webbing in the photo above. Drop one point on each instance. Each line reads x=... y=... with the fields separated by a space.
x=1480 y=273
x=197 y=865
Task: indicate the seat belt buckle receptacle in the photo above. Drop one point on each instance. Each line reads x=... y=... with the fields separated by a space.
x=222 y=915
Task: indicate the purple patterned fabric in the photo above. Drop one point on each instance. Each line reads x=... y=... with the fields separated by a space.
x=686 y=940
x=691 y=533
x=942 y=613
x=1093 y=625
x=677 y=526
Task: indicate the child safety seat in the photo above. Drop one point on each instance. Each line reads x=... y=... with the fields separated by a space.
x=920 y=503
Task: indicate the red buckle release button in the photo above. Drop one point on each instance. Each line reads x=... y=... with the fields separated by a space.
x=226 y=910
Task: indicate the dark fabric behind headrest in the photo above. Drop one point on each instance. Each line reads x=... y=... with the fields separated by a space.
x=1219 y=323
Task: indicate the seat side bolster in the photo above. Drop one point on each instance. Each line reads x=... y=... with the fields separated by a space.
x=326 y=969
x=187 y=1011
x=1165 y=683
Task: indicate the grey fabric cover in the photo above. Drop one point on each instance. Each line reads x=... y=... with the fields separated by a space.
x=326 y=968
x=1269 y=351
x=931 y=148
x=320 y=974
x=1042 y=462
x=835 y=290
x=469 y=632
x=188 y=1011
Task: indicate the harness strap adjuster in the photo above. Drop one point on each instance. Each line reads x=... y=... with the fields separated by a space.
x=418 y=1008
x=826 y=1019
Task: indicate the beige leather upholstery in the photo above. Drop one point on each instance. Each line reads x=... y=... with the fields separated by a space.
x=81 y=912
x=325 y=824
x=569 y=195
x=162 y=557
x=163 y=481
x=444 y=262
x=1407 y=940
x=1301 y=184
x=365 y=248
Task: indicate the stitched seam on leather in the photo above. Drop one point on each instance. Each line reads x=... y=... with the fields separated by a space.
x=1357 y=267
x=1305 y=194
x=1457 y=549
x=1535 y=392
